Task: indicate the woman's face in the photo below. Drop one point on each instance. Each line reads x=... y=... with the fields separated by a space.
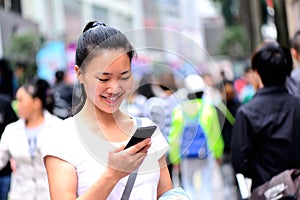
x=25 y=103
x=107 y=79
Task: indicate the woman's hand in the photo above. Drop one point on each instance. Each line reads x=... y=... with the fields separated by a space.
x=122 y=162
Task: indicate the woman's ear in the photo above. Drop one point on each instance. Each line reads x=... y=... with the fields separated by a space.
x=258 y=82
x=37 y=103
x=295 y=54
x=77 y=71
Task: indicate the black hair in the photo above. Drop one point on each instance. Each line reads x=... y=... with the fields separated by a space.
x=195 y=95
x=97 y=36
x=59 y=76
x=40 y=88
x=4 y=64
x=296 y=41
x=273 y=63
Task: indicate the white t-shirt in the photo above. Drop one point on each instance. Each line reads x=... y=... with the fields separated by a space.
x=88 y=153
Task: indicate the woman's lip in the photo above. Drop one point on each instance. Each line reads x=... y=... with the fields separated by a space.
x=112 y=99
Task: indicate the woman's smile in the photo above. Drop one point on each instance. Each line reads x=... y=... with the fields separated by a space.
x=113 y=99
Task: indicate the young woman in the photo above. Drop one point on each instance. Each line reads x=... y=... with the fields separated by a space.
x=85 y=158
x=23 y=141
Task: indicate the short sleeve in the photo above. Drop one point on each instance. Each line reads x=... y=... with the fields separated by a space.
x=60 y=142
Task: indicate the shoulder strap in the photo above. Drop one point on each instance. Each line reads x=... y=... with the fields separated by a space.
x=132 y=176
x=129 y=186
x=223 y=108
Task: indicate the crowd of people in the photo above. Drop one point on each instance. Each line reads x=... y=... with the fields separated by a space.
x=66 y=141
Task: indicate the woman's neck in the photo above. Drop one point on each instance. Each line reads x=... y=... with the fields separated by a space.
x=112 y=126
x=36 y=119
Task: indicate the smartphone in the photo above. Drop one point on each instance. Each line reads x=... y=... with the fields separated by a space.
x=140 y=134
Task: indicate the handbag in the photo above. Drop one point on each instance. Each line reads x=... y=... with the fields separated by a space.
x=282 y=186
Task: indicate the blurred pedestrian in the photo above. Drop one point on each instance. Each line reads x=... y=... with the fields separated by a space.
x=136 y=100
x=293 y=82
x=211 y=94
x=159 y=109
x=200 y=172
x=62 y=92
x=7 y=116
x=23 y=140
x=246 y=85
x=226 y=111
x=295 y=50
x=6 y=78
x=266 y=133
x=88 y=161
x=19 y=75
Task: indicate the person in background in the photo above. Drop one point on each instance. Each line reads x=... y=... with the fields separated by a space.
x=246 y=85
x=226 y=112
x=19 y=75
x=201 y=175
x=136 y=100
x=293 y=82
x=89 y=161
x=295 y=50
x=7 y=116
x=6 y=78
x=211 y=94
x=159 y=108
x=23 y=140
x=62 y=93
x=266 y=133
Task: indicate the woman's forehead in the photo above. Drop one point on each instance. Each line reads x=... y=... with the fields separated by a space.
x=110 y=60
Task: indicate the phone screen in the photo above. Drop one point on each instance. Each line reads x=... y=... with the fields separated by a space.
x=140 y=134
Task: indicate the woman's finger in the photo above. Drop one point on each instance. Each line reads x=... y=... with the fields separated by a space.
x=139 y=146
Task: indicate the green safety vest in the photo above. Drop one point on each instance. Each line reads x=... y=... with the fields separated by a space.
x=208 y=120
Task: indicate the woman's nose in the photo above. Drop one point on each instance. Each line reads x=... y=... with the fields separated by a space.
x=114 y=87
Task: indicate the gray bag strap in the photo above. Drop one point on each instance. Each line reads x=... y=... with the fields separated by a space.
x=132 y=176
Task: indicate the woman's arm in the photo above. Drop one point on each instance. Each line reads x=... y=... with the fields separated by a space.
x=62 y=175
x=165 y=182
x=4 y=150
x=62 y=179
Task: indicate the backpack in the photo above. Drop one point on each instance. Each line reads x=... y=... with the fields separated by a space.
x=194 y=140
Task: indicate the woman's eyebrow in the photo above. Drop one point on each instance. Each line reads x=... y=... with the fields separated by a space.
x=125 y=72
x=107 y=73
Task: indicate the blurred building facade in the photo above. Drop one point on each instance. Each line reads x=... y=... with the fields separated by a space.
x=198 y=21
x=293 y=16
x=63 y=19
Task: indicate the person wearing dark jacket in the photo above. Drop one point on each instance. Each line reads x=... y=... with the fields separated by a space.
x=7 y=116
x=6 y=78
x=266 y=133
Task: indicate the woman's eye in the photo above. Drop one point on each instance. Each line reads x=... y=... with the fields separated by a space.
x=125 y=78
x=102 y=79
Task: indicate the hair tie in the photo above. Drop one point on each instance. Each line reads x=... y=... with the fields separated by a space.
x=92 y=24
x=98 y=24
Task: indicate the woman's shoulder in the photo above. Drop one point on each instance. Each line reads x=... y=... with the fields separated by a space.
x=62 y=142
x=63 y=129
x=144 y=121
